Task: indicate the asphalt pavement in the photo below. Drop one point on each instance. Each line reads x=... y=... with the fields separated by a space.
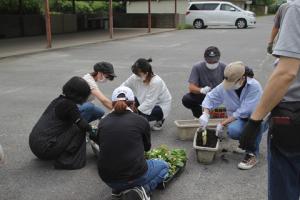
x=29 y=83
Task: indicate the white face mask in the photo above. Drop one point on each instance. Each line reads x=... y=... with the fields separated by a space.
x=212 y=66
x=103 y=80
x=236 y=86
x=142 y=78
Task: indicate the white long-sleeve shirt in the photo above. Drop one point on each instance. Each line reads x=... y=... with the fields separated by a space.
x=150 y=95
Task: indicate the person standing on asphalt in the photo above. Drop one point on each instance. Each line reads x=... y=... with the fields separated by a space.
x=277 y=23
x=103 y=71
x=204 y=77
x=282 y=98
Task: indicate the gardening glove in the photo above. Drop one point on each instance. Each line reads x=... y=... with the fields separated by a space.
x=93 y=134
x=220 y=131
x=83 y=125
x=203 y=120
x=270 y=48
x=249 y=135
x=205 y=90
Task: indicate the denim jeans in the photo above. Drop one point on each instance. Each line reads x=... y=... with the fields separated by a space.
x=283 y=174
x=156 y=173
x=90 y=112
x=236 y=127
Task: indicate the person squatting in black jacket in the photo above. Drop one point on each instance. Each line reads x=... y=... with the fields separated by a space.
x=124 y=136
x=60 y=132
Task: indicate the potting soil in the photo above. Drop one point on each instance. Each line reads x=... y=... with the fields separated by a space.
x=212 y=139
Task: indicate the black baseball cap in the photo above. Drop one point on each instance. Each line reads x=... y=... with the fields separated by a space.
x=105 y=68
x=212 y=54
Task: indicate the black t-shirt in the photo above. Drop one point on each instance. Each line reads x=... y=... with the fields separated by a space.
x=123 y=139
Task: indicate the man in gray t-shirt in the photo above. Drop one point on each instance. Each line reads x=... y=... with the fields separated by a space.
x=204 y=77
x=282 y=98
x=277 y=22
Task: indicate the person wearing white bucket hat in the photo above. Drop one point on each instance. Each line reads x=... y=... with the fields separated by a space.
x=124 y=137
x=239 y=93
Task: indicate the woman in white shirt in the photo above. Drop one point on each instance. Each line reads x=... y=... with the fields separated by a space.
x=153 y=99
x=103 y=71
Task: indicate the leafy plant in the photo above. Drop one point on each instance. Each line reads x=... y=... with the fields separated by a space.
x=184 y=26
x=176 y=158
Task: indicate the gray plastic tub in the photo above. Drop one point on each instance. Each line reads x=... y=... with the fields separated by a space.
x=186 y=128
x=205 y=155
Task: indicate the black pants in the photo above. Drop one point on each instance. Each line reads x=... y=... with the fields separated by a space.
x=156 y=114
x=193 y=102
x=68 y=150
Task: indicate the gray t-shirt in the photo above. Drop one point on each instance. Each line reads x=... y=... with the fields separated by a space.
x=288 y=45
x=202 y=76
x=280 y=15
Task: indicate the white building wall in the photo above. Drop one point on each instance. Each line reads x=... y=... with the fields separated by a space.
x=164 y=6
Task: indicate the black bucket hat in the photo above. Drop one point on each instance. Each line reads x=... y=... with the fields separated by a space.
x=105 y=68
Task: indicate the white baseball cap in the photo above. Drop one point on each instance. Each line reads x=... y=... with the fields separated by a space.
x=122 y=93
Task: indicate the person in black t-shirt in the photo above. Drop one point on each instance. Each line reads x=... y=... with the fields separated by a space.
x=60 y=132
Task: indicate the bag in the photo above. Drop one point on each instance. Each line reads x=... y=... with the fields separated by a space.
x=285 y=126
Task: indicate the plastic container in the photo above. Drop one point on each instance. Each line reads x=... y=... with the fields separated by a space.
x=205 y=155
x=186 y=128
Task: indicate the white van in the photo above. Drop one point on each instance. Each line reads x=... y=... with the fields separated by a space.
x=218 y=13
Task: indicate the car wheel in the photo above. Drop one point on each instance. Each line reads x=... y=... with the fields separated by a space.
x=241 y=23
x=198 y=24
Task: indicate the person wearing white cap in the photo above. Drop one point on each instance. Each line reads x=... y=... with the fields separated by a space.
x=123 y=137
x=153 y=99
x=239 y=93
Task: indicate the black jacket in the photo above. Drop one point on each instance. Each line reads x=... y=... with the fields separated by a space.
x=123 y=140
x=60 y=115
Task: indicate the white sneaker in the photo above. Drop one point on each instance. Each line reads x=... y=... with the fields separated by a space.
x=249 y=162
x=137 y=193
x=157 y=126
x=2 y=157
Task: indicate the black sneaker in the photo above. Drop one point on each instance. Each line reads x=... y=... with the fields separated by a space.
x=161 y=186
x=137 y=193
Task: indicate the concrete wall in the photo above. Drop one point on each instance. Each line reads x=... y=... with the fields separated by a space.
x=139 y=20
x=163 y=6
x=166 y=6
x=31 y=25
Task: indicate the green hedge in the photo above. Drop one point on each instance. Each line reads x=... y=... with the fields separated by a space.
x=56 y=6
x=12 y=6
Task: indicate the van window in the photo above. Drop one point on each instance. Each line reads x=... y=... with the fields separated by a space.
x=206 y=6
x=210 y=6
x=196 y=7
x=227 y=7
